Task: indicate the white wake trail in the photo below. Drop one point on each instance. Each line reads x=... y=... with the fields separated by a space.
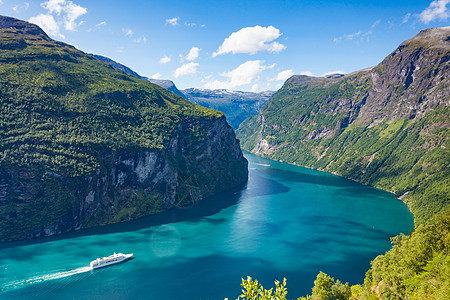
x=42 y=278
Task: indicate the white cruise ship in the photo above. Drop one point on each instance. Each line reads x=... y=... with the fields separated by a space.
x=110 y=260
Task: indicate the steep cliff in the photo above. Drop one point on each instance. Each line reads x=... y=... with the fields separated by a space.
x=386 y=126
x=83 y=144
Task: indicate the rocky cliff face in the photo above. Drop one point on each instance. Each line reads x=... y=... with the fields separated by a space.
x=82 y=144
x=386 y=126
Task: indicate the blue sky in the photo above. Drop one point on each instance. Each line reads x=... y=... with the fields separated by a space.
x=238 y=45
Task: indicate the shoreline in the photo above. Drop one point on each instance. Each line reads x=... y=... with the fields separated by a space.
x=400 y=198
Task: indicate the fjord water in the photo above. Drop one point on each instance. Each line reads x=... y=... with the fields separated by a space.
x=287 y=221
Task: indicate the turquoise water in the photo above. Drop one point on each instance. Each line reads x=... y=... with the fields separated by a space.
x=287 y=221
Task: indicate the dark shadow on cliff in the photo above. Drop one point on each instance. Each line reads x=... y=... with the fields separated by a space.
x=255 y=186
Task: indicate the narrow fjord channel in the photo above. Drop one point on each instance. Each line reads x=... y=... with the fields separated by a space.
x=287 y=221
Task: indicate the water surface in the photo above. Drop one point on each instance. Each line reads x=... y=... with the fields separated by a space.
x=287 y=221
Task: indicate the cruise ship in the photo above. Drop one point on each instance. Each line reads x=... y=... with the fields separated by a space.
x=110 y=260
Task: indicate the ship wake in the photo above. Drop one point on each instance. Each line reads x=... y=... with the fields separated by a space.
x=42 y=278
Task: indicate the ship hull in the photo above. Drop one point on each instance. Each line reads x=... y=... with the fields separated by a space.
x=107 y=264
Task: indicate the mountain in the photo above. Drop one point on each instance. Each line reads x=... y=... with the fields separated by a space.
x=237 y=106
x=83 y=144
x=386 y=126
x=167 y=84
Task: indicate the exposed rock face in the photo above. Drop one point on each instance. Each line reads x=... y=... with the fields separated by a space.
x=386 y=126
x=83 y=144
x=132 y=184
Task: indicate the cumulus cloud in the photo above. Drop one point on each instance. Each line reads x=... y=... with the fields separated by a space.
x=47 y=23
x=186 y=69
x=437 y=10
x=156 y=76
x=244 y=74
x=69 y=11
x=164 y=60
x=193 y=53
x=251 y=40
x=173 y=21
x=283 y=75
x=58 y=12
x=255 y=88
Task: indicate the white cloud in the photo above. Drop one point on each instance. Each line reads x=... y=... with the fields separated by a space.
x=141 y=39
x=73 y=12
x=15 y=8
x=406 y=18
x=127 y=31
x=165 y=59
x=1 y=2
x=186 y=69
x=251 y=40
x=173 y=21
x=307 y=73
x=193 y=53
x=156 y=76
x=47 y=23
x=283 y=75
x=66 y=12
x=255 y=88
x=334 y=72
x=187 y=24
x=359 y=34
x=101 y=24
x=244 y=74
x=437 y=10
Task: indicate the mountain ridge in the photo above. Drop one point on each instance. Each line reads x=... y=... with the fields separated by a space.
x=83 y=144
x=385 y=126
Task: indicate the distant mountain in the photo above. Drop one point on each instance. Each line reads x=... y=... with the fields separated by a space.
x=167 y=84
x=236 y=105
x=83 y=144
x=386 y=126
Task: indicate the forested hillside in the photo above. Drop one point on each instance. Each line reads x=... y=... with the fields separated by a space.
x=83 y=144
x=387 y=126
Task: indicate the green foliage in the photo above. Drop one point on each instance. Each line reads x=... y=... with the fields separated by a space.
x=307 y=124
x=253 y=290
x=326 y=288
x=62 y=112
x=417 y=267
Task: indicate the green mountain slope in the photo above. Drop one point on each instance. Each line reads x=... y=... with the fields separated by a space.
x=167 y=84
x=387 y=126
x=83 y=144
